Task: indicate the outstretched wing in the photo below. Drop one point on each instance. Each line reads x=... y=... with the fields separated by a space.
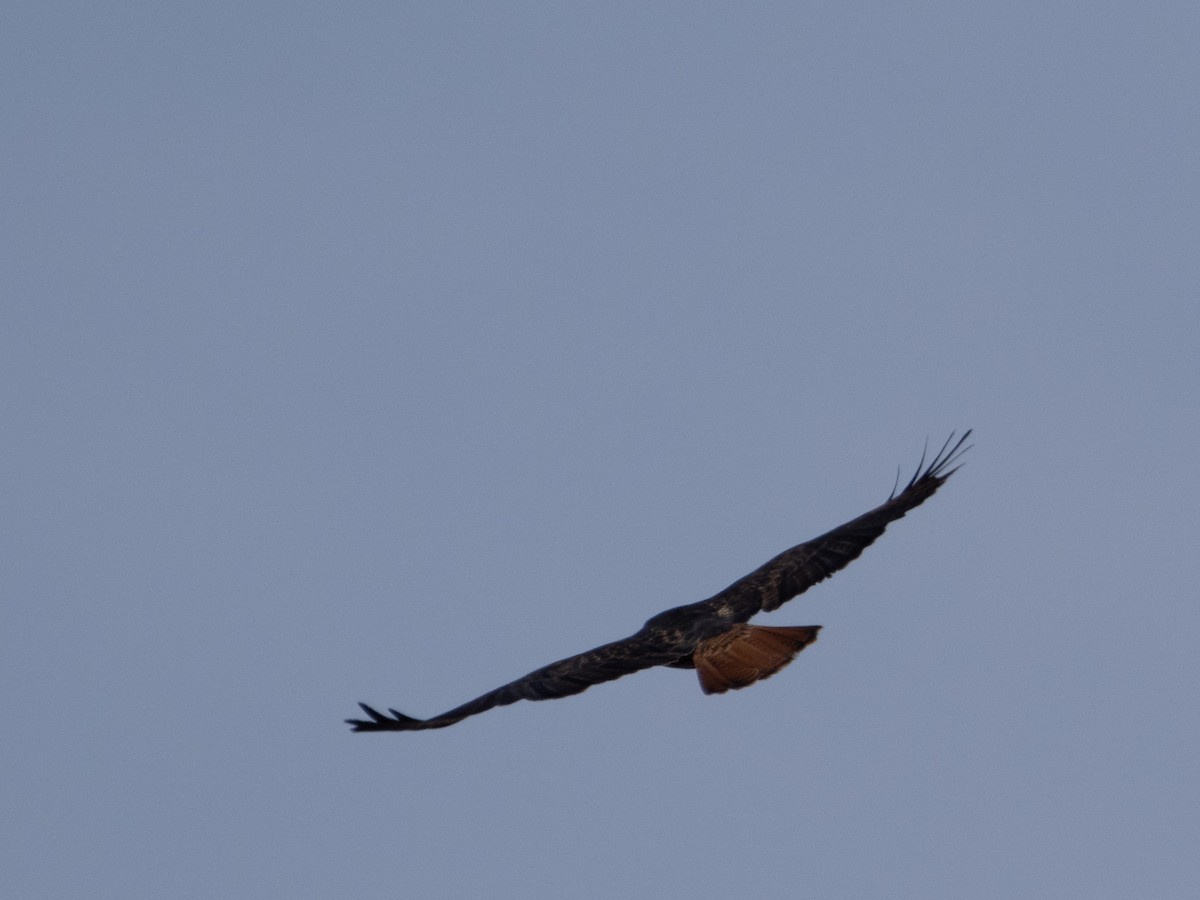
x=796 y=570
x=670 y=637
x=568 y=676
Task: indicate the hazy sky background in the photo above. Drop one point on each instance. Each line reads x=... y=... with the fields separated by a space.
x=386 y=352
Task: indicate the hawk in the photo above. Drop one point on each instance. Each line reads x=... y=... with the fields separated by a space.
x=711 y=636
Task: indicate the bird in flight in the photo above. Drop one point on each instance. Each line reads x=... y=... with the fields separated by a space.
x=711 y=636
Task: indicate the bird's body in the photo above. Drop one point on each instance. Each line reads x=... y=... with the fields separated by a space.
x=710 y=636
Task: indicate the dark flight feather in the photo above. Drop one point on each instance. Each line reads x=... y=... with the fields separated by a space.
x=710 y=635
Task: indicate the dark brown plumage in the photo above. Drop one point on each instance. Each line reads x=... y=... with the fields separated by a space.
x=710 y=636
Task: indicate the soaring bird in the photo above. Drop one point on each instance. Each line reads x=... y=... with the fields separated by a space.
x=711 y=636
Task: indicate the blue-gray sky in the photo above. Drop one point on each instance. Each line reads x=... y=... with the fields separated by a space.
x=386 y=352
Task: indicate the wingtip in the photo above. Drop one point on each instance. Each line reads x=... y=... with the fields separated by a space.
x=397 y=721
x=936 y=471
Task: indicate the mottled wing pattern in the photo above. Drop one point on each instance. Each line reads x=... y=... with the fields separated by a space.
x=796 y=570
x=559 y=679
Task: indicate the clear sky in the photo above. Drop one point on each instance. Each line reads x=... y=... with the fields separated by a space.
x=386 y=352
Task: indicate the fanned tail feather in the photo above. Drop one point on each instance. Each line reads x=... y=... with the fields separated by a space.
x=748 y=653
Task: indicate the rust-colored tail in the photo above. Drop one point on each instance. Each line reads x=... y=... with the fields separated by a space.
x=747 y=653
